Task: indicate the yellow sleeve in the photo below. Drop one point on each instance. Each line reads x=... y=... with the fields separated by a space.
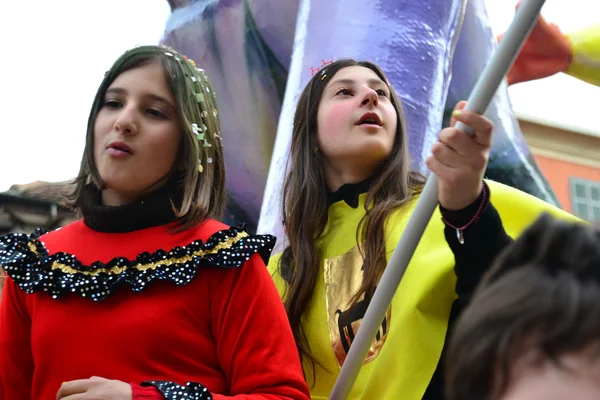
x=518 y=209
x=585 y=64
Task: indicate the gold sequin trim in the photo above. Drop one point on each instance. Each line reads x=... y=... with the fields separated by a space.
x=33 y=248
x=226 y=244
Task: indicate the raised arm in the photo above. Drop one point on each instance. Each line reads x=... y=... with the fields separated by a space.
x=482 y=240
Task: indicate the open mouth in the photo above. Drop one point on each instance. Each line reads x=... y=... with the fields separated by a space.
x=370 y=119
x=119 y=148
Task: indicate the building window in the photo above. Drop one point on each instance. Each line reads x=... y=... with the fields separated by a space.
x=585 y=198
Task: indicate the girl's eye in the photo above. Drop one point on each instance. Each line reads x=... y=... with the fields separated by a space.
x=382 y=92
x=343 y=92
x=156 y=113
x=112 y=104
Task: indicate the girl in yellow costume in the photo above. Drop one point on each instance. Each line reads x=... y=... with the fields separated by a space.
x=347 y=198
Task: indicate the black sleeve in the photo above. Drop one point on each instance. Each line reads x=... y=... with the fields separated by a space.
x=483 y=241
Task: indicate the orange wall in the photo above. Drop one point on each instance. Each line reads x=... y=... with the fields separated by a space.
x=558 y=172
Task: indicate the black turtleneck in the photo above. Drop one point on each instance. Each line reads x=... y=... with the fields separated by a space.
x=153 y=210
x=350 y=192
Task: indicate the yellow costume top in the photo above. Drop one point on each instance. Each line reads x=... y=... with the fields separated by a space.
x=407 y=348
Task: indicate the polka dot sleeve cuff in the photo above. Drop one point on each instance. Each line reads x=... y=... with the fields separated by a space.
x=173 y=391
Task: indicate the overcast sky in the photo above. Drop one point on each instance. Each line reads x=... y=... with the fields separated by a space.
x=55 y=53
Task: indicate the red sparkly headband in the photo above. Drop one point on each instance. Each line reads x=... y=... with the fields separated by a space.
x=314 y=70
x=324 y=63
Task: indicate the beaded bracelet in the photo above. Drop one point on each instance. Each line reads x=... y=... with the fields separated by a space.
x=459 y=230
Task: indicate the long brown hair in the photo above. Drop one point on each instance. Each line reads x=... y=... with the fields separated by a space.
x=204 y=194
x=305 y=202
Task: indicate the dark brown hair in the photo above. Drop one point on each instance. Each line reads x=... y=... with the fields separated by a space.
x=305 y=201
x=204 y=194
x=541 y=297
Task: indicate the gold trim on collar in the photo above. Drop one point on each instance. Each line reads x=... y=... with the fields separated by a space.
x=226 y=244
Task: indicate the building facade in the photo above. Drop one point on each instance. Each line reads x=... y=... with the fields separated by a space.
x=570 y=159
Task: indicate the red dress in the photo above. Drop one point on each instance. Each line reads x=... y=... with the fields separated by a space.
x=194 y=314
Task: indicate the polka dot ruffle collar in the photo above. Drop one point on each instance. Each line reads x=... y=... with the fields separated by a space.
x=26 y=260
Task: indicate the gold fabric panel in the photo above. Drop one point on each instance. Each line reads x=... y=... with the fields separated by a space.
x=343 y=277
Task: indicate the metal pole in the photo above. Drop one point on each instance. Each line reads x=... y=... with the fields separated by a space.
x=485 y=89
